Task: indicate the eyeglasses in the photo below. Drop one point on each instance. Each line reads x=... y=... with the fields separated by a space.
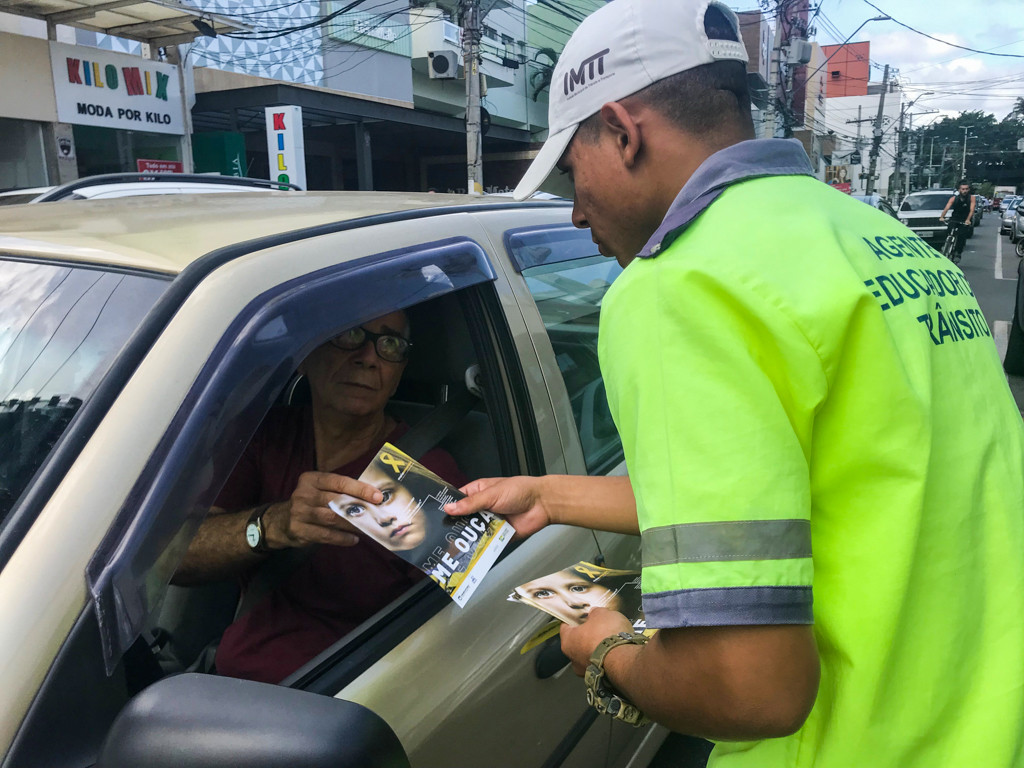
x=388 y=346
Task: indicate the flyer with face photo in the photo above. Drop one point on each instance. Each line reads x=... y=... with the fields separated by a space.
x=456 y=552
x=571 y=593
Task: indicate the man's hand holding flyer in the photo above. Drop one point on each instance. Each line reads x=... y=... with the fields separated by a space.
x=571 y=593
x=456 y=552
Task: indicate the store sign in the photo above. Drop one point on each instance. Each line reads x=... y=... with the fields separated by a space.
x=159 y=166
x=285 y=145
x=114 y=90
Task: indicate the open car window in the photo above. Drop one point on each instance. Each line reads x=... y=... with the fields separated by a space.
x=128 y=575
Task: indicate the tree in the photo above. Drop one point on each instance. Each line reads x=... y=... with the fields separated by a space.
x=1018 y=110
x=992 y=154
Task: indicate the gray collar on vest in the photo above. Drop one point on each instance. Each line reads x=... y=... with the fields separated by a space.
x=747 y=160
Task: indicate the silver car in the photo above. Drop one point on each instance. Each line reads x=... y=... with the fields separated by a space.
x=1007 y=216
x=143 y=341
x=1017 y=228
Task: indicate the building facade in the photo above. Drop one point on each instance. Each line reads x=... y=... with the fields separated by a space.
x=70 y=110
x=848 y=70
x=854 y=118
x=377 y=112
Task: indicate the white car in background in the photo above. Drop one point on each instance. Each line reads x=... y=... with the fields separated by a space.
x=110 y=185
x=920 y=212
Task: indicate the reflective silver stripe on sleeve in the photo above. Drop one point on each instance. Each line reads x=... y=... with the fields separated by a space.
x=729 y=606
x=735 y=540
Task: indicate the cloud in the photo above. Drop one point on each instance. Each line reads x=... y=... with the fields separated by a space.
x=960 y=80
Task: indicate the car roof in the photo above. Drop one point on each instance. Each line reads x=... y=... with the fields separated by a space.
x=166 y=233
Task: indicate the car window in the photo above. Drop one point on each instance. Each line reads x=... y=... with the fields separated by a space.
x=568 y=294
x=926 y=202
x=61 y=328
x=129 y=575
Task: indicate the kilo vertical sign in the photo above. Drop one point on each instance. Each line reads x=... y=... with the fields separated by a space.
x=285 y=145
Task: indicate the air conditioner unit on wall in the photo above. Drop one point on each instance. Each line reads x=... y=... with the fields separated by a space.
x=443 y=65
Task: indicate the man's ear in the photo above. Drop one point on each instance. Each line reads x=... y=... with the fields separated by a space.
x=622 y=124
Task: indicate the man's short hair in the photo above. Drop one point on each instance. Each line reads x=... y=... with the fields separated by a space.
x=700 y=100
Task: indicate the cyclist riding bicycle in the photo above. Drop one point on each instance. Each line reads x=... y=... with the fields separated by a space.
x=961 y=216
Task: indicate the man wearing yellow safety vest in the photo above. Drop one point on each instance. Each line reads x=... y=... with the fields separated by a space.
x=811 y=409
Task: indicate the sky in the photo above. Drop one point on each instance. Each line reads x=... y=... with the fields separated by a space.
x=959 y=80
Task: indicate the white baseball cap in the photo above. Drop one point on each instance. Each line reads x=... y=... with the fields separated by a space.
x=618 y=50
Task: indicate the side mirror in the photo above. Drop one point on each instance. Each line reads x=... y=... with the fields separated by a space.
x=204 y=721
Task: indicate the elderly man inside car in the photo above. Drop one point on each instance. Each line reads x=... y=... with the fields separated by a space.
x=277 y=499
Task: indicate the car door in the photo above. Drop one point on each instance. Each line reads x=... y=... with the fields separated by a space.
x=168 y=424
x=459 y=690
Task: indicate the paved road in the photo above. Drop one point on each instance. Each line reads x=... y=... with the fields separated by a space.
x=990 y=265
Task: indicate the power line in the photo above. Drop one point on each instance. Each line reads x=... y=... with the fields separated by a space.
x=287 y=31
x=944 y=42
x=540 y=26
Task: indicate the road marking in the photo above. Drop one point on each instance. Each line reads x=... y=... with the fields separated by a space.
x=1001 y=336
x=999 y=258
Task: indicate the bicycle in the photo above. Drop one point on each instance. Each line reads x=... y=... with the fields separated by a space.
x=949 y=247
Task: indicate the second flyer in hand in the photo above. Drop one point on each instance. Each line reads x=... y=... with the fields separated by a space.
x=456 y=552
x=571 y=593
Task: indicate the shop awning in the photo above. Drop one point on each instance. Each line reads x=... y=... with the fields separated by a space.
x=156 y=22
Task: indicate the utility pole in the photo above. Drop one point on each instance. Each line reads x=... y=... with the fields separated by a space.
x=876 y=142
x=791 y=20
x=471 y=33
x=862 y=176
x=899 y=152
x=774 y=111
x=963 y=162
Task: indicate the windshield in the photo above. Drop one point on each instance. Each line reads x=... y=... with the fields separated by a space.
x=935 y=202
x=61 y=328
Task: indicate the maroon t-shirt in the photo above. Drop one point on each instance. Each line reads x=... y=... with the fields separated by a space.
x=336 y=588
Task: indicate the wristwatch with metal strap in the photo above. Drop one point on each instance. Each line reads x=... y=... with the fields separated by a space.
x=600 y=694
x=255 y=533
